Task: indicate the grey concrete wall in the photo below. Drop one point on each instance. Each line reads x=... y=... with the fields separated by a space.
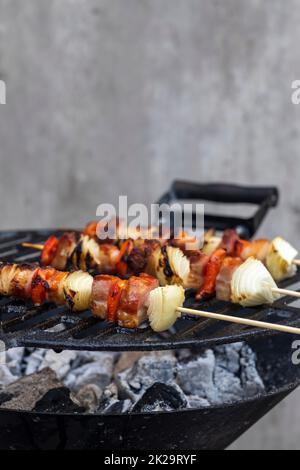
x=109 y=97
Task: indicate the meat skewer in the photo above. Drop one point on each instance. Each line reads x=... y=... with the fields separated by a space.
x=250 y=285
x=129 y=302
x=278 y=255
x=89 y=252
x=195 y=269
x=124 y=302
x=171 y=264
x=131 y=257
x=84 y=253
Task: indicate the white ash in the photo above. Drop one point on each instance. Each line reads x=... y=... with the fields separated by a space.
x=56 y=328
x=197 y=402
x=195 y=375
x=74 y=368
x=34 y=360
x=235 y=373
x=6 y=377
x=14 y=360
x=59 y=363
x=149 y=369
x=98 y=373
x=111 y=383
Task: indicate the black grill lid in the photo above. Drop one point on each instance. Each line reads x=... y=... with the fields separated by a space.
x=262 y=197
x=55 y=327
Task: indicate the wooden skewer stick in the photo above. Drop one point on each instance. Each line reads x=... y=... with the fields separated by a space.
x=286 y=292
x=33 y=245
x=296 y=262
x=239 y=320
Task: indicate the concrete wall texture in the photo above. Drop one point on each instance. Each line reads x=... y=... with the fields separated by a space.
x=109 y=97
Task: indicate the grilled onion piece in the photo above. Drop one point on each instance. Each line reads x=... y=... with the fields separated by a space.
x=7 y=275
x=163 y=304
x=179 y=263
x=211 y=243
x=169 y=265
x=252 y=284
x=78 y=290
x=280 y=259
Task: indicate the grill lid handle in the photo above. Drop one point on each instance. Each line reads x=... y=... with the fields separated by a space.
x=264 y=197
x=225 y=193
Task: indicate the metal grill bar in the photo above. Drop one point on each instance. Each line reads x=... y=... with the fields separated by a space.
x=56 y=328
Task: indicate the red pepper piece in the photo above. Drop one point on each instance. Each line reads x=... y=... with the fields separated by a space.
x=114 y=298
x=211 y=273
x=49 y=251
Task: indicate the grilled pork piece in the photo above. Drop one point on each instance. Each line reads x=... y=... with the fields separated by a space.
x=236 y=247
x=198 y=263
x=229 y=240
x=257 y=248
x=133 y=305
x=56 y=252
x=100 y=294
x=223 y=283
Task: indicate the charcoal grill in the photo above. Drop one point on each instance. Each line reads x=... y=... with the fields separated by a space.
x=52 y=327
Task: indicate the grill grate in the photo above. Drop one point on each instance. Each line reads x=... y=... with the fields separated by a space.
x=56 y=328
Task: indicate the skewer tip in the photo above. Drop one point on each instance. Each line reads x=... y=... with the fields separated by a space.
x=36 y=246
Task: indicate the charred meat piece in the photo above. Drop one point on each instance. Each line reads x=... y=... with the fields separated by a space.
x=223 y=285
x=257 y=248
x=65 y=248
x=198 y=263
x=133 y=303
x=229 y=240
x=139 y=259
x=100 y=294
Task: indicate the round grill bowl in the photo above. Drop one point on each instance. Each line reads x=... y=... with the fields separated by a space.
x=208 y=428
